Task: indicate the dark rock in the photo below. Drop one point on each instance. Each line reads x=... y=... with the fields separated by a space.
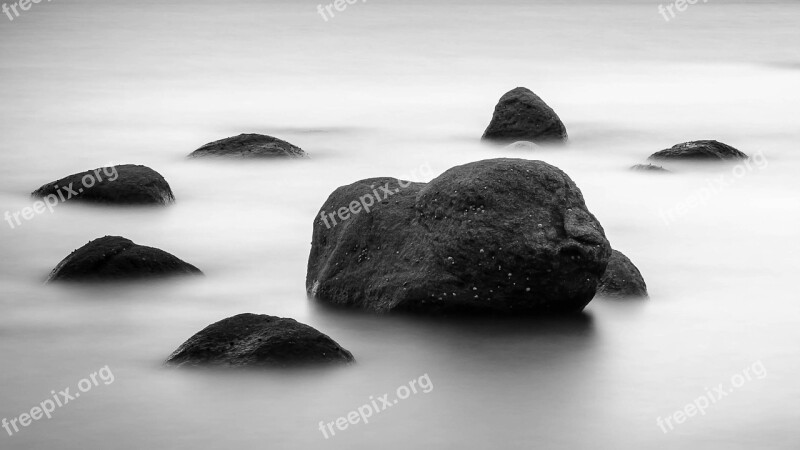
x=699 y=151
x=649 y=168
x=113 y=258
x=252 y=340
x=506 y=236
x=122 y=185
x=521 y=115
x=622 y=278
x=249 y=146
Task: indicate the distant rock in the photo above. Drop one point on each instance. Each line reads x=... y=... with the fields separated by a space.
x=699 y=151
x=649 y=168
x=501 y=236
x=522 y=145
x=251 y=340
x=622 y=279
x=521 y=115
x=120 y=185
x=114 y=258
x=246 y=146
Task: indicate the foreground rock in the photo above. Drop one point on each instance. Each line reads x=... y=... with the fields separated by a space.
x=506 y=236
x=649 y=168
x=622 y=279
x=251 y=340
x=699 y=151
x=521 y=115
x=121 y=185
x=247 y=146
x=112 y=258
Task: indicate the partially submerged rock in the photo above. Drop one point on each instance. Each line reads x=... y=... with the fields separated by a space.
x=622 y=278
x=121 y=185
x=506 y=236
x=252 y=340
x=649 y=168
x=708 y=150
x=521 y=115
x=113 y=258
x=522 y=145
x=247 y=146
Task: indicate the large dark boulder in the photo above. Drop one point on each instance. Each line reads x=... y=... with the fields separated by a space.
x=521 y=115
x=247 y=146
x=622 y=279
x=113 y=258
x=506 y=236
x=122 y=185
x=709 y=150
x=252 y=340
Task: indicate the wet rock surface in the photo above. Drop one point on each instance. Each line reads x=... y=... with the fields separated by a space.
x=121 y=185
x=521 y=115
x=254 y=340
x=249 y=146
x=708 y=150
x=501 y=236
x=114 y=258
x=622 y=278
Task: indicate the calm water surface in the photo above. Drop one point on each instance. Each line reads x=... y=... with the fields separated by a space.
x=391 y=88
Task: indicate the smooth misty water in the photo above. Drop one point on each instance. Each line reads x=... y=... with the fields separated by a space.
x=390 y=88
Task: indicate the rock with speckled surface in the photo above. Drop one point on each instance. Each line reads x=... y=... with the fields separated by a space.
x=622 y=279
x=500 y=236
x=114 y=258
x=707 y=150
x=249 y=146
x=257 y=340
x=521 y=115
